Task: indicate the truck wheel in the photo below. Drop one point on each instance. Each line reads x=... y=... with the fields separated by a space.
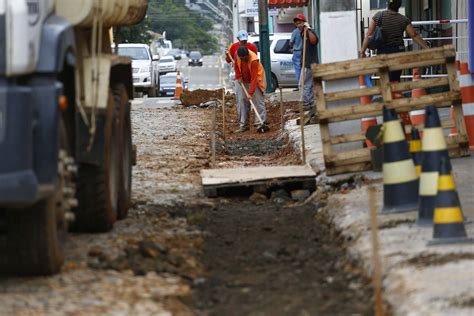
x=124 y=133
x=97 y=186
x=35 y=239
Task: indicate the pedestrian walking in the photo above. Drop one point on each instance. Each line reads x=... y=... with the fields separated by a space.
x=296 y=44
x=249 y=72
x=311 y=57
x=393 y=26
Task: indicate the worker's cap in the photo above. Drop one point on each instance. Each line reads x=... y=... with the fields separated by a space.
x=299 y=17
x=242 y=35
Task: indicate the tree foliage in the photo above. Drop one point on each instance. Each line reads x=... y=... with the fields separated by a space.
x=182 y=25
x=136 y=33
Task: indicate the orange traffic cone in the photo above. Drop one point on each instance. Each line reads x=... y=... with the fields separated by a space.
x=467 y=92
x=417 y=117
x=179 y=87
x=448 y=218
x=366 y=122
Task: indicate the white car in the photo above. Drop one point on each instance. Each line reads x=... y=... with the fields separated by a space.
x=144 y=67
x=167 y=64
x=283 y=70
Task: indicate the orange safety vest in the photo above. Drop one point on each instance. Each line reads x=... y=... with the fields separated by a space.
x=261 y=80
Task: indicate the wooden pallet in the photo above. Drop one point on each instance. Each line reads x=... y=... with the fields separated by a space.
x=355 y=160
x=245 y=181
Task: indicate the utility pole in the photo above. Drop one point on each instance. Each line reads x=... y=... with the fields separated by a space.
x=265 y=41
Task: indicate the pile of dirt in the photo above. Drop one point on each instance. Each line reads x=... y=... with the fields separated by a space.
x=200 y=96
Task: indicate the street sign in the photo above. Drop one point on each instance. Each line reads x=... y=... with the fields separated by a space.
x=251 y=9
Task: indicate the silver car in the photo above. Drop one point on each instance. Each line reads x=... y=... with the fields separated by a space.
x=283 y=70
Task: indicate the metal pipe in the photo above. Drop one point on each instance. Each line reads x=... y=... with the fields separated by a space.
x=470 y=30
x=436 y=22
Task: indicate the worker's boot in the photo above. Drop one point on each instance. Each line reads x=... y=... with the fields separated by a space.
x=242 y=129
x=263 y=128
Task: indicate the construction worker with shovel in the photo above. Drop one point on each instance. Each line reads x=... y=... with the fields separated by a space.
x=310 y=56
x=250 y=74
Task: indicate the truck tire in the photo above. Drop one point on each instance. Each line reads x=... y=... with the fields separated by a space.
x=35 y=239
x=97 y=186
x=124 y=132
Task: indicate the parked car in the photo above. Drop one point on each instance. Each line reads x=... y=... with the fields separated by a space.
x=167 y=64
x=176 y=53
x=195 y=58
x=168 y=84
x=145 y=66
x=283 y=70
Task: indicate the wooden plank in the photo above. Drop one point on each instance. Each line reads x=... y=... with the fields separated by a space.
x=350 y=156
x=350 y=94
x=417 y=64
x=349 y=168
x=424 y=83
x=386 y=87
x=249 y=174
x=405 y=60
x=347 y=113
x=458 y=112
x=449 y=123
x=344 y=138
x=321 y=105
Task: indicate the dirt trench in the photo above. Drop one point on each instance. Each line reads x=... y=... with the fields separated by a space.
x=270 y=254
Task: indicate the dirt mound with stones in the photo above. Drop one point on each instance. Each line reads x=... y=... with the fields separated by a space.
x=201 y=96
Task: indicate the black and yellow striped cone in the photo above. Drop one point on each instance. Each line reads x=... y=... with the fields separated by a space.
x=415 y=149
x=400 y=181
x=448 y=217
x=433 y=148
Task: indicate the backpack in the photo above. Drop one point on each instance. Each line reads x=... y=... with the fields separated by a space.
x=376 y=40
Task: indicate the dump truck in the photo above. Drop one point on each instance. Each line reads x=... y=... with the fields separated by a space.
x=65 y=128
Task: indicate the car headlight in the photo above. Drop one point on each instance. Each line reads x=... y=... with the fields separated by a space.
x=190 y=60
x=145 y=69
x=200 y=60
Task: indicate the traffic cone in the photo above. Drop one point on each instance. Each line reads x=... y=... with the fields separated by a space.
x=467 y=92
x=448 y=217
x=433 y=148
x=179 y=87
x=415 y=149
x=399 y=174
x=417 y=117
x=366 y=122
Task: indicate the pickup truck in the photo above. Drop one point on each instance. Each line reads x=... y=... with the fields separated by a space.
x=145 y=68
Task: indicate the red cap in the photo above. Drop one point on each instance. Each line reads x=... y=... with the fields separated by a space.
x=300 y=17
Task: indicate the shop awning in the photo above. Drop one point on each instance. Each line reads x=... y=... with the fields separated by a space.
x=287 y=3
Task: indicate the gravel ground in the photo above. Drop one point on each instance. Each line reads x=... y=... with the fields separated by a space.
x=166 y=176
x=179 y=253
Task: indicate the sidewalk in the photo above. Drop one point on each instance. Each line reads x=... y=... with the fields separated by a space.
x=418 y=280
